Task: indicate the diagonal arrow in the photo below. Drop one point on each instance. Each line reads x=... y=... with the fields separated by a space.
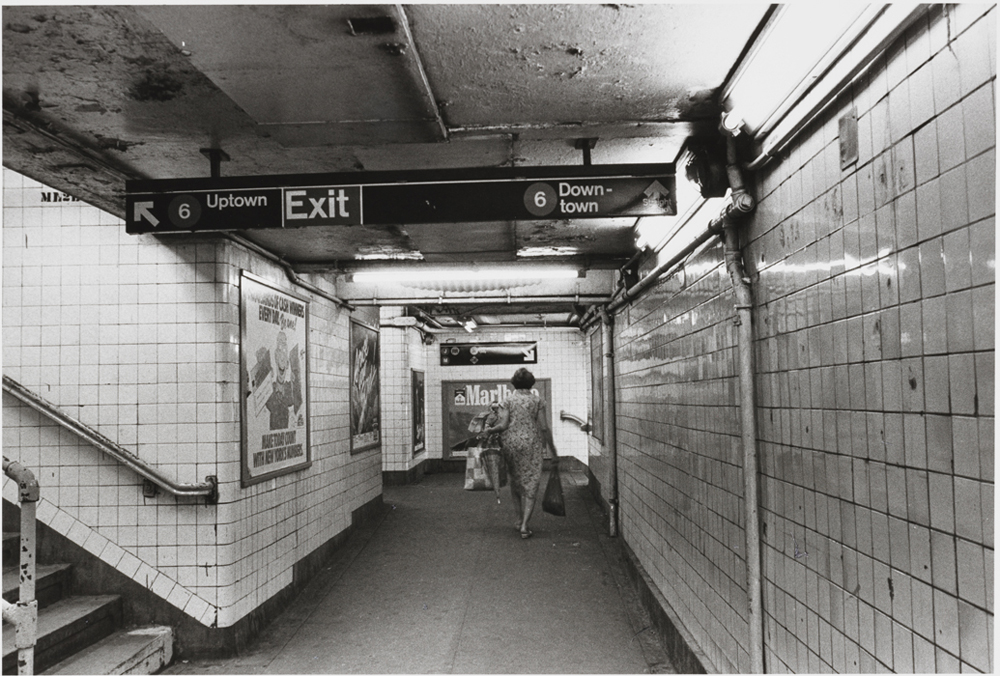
x=528 y=352
x=142 y=210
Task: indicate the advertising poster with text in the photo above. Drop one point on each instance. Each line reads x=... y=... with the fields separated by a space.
x=273 y=355
x=418 y=411
x=462 y=400
x=365 y=394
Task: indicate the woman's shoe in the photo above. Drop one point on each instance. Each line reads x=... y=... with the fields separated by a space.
x=525 y=534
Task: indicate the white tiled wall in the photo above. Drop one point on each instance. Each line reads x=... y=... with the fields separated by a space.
x=140 y=340
x=874 y=314
x=562 y=357
x=402 y=352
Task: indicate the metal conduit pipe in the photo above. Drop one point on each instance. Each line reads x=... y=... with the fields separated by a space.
x=289 y=272
x=507 y=299
x=610 y=426
x=740 y=205
x=748 y=430
x=748 y=415
x=428 y=319
x=24 y=614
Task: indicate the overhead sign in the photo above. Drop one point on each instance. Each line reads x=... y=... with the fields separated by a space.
x=390 y=198
x=484 y=354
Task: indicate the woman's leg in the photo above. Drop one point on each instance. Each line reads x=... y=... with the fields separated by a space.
x=516 y=498
x=528 y=507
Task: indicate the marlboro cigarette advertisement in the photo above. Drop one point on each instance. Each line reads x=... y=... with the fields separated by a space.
x=462 y=400
x=273 y=354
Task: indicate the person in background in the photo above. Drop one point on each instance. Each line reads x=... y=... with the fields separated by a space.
x=525 y=435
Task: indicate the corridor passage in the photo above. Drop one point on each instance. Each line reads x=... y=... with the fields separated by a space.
x=441 y=582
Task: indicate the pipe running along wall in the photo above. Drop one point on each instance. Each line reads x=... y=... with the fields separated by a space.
x=739 y=206
x=289 y=272
x=610 y=431
x=748 y=428
x=748 y=412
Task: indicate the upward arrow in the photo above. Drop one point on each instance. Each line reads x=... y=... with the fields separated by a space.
x=656 y=189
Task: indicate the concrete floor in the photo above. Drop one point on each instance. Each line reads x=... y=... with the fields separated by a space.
x=443 y=583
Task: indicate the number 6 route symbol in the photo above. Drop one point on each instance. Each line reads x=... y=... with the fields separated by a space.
x=184 y=211
x=540 y=199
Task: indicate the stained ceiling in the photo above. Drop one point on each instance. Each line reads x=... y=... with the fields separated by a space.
x=98 y=95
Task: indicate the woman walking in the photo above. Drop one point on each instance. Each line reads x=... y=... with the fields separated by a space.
x=523 y=425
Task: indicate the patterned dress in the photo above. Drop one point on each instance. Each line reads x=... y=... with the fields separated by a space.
x=523 y=442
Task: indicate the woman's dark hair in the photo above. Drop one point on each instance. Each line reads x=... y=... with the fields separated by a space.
x=523 y=379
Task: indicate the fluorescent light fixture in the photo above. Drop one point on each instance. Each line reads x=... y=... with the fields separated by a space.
x=768 y=82
x=513 y=272
x=732 y=122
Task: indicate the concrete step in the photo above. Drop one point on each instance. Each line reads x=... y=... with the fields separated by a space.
x=52 y=582
x=65 y=627
x=139 y=651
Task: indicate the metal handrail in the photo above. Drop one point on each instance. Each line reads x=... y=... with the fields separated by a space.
x=24 y=614
x=209 y=489
x=584 y=424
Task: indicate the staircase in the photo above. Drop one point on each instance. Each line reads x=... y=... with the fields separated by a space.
x=79 y=634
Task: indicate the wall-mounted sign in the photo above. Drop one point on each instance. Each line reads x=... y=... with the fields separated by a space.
x=417 y=397
x=462 y=400
x=390 y=198
x=274 y=333
x=487 y=354
x=365 y=396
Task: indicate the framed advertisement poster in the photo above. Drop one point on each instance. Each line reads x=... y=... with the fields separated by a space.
x=365 y=399
x=462 y=400
x=274 y=380
x=417 y=390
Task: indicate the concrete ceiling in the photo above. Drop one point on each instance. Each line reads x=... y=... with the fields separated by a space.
x=97 y=95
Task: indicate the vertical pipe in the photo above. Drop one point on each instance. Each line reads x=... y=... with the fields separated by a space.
x=24 y=615
x=26 y=632
x=748 y=425
x=610 y=424
x=27 y=562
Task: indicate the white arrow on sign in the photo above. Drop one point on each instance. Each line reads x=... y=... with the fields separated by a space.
x=529 y=353
x=142 y=210
x=656 y=189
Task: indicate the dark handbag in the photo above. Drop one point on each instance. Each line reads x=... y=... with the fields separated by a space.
x=552 y=500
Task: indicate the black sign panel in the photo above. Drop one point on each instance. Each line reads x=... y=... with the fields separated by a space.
x=389 y=198
x=481 y=354
x=203 y=211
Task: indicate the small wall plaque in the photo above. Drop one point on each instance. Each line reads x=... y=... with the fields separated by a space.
x=849 y=139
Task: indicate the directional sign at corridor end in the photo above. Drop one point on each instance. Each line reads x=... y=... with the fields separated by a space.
x=391 y=198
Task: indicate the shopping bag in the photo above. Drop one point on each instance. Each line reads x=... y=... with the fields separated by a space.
x=476 y=476
x=552 y=500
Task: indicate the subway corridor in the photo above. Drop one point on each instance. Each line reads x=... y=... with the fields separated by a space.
x=255 y=293
x=440 y=582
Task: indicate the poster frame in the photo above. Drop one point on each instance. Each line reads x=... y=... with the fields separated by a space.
x=418 y=418
x=447 y=406
x=357 y=328
x=246 y=476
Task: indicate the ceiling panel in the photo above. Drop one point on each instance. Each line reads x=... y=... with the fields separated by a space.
x=609 y=63
x=302 y=67
x=464 y=242
x=97 y=95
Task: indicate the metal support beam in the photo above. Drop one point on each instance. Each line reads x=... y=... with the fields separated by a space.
x=216 y=156
x=586 y=145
